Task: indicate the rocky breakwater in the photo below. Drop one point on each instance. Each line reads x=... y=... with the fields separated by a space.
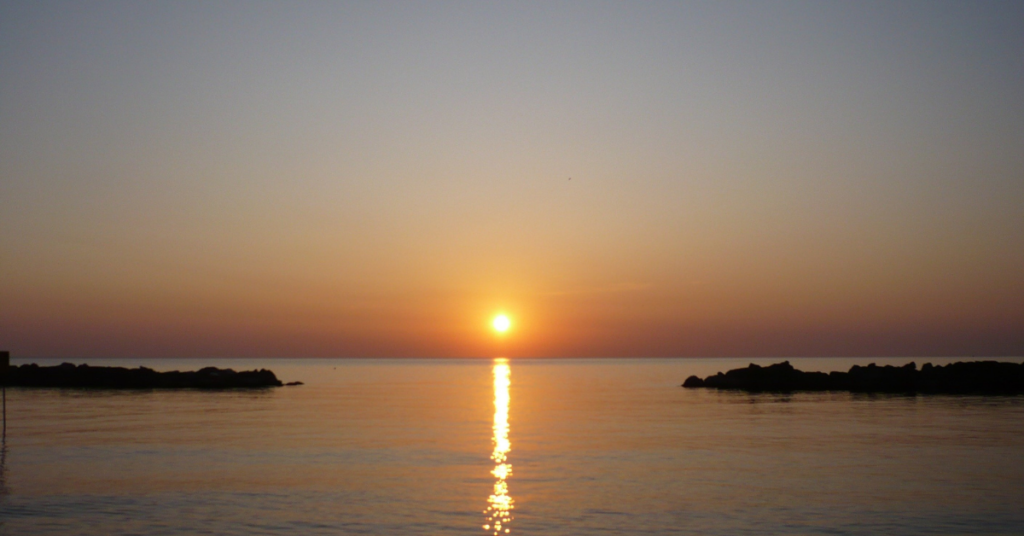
x=975 y=377
x=85 y=376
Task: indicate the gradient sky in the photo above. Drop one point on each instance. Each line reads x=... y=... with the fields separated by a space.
x=378 y=179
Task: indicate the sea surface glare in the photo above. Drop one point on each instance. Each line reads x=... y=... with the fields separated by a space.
x=479 y=447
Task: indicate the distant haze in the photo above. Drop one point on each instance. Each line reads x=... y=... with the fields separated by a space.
x=380 y=179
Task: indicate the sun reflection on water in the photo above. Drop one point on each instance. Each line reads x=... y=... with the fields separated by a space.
x=499 y=508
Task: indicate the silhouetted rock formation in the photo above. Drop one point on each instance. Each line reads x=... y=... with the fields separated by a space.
x=976 y=377
x=69 y=375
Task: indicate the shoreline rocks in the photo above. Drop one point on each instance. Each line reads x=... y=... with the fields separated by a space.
x=68 y=375
x=974 y=377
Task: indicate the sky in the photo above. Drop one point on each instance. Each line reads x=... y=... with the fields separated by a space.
x=371 y=179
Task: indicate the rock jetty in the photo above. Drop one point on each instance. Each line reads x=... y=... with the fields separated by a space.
x=975 y=377
x=85 y=376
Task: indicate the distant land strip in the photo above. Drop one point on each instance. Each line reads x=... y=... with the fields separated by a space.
x=974 y=377
x=68 y=375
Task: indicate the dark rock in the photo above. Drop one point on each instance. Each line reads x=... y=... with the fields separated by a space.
x=976 y=377
x=693 y=381
x=293 y=383
x=84 y=376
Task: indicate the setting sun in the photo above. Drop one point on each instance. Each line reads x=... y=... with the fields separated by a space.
x=501 y=323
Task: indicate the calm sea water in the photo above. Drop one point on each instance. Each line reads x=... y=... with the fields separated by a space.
x=546 y=447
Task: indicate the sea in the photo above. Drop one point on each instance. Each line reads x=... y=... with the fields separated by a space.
x=507 y=446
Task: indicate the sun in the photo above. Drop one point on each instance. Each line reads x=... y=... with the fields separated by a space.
x=501 y=323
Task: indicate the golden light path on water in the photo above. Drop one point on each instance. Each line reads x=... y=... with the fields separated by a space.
x=499 y=508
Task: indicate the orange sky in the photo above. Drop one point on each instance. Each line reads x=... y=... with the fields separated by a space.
x=379 y=180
